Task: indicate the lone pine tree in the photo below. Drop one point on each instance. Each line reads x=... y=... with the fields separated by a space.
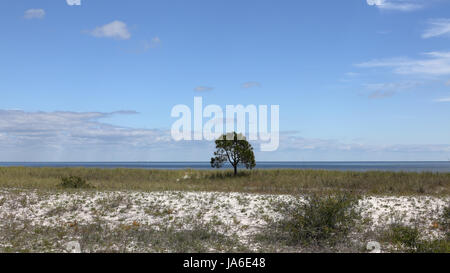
x=236 y=150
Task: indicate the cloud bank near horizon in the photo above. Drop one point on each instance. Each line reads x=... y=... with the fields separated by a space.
x=84 y=136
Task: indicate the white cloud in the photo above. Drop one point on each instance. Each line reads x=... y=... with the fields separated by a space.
x=49 y=128
x=83 y=136
x=399 y=5
x=115 y=29
x=203 y=88
x=443 y=100
x=34 y=14
x=351 y=74
x=155 y=42
x=437 y=64
x=251 y=84
x=437 y=27
x=146 y=45
x=384 y=90
x=297 y=143
x=380 y=94
x=73 y=2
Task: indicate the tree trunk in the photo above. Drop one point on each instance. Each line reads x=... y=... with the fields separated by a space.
x=235 y=170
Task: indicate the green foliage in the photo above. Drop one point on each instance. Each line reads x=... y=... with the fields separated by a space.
x=435 y=246
x=407 y=239
x=445 y=221
x=319 y=220
x=235 y=149
x=403 y=235
x=74 y=182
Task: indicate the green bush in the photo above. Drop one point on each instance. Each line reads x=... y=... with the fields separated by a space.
x=403 y=235
x=74 y=182
x=435 y=246
x=445 y=221
x=319 y=220
x=408 y=239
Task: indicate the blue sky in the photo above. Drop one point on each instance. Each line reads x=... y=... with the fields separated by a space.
x=355 y=79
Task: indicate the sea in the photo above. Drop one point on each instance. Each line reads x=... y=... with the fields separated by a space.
x=394 y=166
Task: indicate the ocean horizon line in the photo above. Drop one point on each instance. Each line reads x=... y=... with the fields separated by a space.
x=396 y=166
x=272 y=161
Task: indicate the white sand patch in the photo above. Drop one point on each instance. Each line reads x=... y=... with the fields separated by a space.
x=419 y=211
x=231 y=213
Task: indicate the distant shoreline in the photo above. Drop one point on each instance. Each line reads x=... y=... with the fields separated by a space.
x=360 y=166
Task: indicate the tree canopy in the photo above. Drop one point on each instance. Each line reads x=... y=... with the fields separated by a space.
x=236 y=150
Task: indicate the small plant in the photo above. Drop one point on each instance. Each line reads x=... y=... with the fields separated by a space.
x=408 y=240
x=319 y=220
x=445 y=221
x=435 y=246
x=403 y=235
x=74 y=182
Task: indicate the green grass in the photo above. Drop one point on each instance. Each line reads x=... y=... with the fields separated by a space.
x=403 y=236
x=256 y=181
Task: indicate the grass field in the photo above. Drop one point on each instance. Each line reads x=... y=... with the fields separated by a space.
x=256 y=181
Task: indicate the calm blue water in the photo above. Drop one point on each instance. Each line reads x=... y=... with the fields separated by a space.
x=406 y=166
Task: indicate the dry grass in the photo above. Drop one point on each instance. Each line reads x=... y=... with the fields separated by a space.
x=256 y=181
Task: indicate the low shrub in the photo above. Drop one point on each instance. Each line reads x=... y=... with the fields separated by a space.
x=445 y=221
x=319 y=220
x=407 y=239
x=74 y=182
x=435 y=246
x=403 y=235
